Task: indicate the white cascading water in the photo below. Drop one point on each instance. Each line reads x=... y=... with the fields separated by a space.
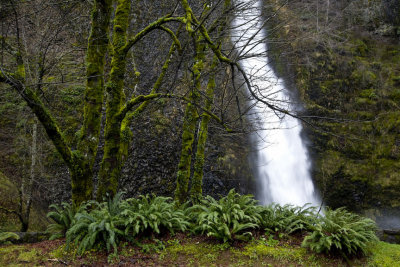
x=282 y=158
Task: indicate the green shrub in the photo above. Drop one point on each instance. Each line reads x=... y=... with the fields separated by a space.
x=340 y=231
x=288 y=218
x=231 y=217
x=6 y=237
x=100 y=226
x=152 y=214
x=109 y=222
x=63 y=216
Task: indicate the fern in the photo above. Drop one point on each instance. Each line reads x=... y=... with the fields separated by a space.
x=6 y=237
x=231 y=217
x=152 y=214
x=63 y=217
x=101 y=226
x=342 y=232
x=288 y=218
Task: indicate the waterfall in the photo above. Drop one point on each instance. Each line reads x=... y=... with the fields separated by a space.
x=283 y=165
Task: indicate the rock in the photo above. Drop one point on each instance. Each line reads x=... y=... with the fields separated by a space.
x=389 y=235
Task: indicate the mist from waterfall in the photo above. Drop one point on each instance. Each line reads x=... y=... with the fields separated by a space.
x=281 y=157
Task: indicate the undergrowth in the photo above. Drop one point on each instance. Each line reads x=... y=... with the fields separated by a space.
x=343 y=232
x=230 y=219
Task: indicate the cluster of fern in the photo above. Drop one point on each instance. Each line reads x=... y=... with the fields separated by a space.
x=343 y=232
x=288 y=218
x=233 y=217
x=95 y=225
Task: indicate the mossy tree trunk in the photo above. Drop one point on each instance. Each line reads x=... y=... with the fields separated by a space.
x=82 y=171
x=111 y=163
x=197 y=180
x=189 y=126
x=190 y=122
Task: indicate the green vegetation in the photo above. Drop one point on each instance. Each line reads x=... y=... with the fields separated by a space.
x=19 y=256
x=233 y=218
x=189 y=251
x=85 y=86
x=99 y=226
x=6 y=237
x=384 y=254
x=288 y=219
x=343 y=232
x=110 y=83
x=151 y=214
x=63 y=217
x=152 y=230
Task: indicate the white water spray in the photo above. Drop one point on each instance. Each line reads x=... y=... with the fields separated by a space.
x=282 y=158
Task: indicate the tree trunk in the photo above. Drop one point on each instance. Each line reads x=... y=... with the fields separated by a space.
x=197 y=180
x=24 y=225
x=29 y=197
x=81 y=183
x=95 y=57
x=82 y=170
x=112 y=161
x=189 y=126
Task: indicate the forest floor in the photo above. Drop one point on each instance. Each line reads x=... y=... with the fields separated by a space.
x=183 y=250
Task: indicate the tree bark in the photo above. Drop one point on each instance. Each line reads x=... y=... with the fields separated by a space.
x=111 y=164
x=197 y=180
x=189 y=124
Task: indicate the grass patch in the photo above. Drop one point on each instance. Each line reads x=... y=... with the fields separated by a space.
x=384 y=254
x=20 y=256
x=182 y=250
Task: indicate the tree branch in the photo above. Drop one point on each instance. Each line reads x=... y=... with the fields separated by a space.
x=173 y=36
x=41 y=113
x=142 y=98
x=152 y=26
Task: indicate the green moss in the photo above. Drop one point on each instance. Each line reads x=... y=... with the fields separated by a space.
x=29 y=256
x=362 y=102
x=281 y=254
x=396 y=80
x=368 y=93
x=183 y=174
x=20 y=256
x=202 y=254
x=197 y=181
x=191 y=252
x=190 y=120
x=255 y=253
x=95 y=58
x=113 y=147
x=384 y=254
x=9 y=254
x=360 y=48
